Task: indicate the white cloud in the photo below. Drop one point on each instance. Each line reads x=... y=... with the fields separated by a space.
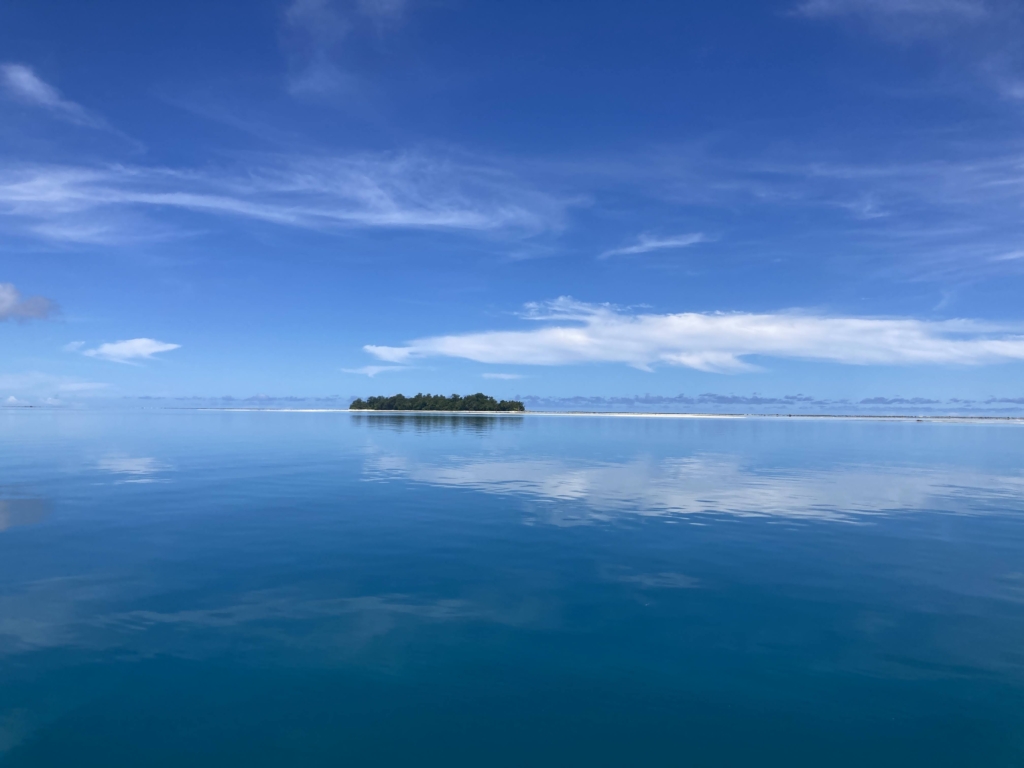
x=130 y=349
x=25 y=85
x=718 y=342
x=503 y=376
x=648 y=243
x=373 y=370
x=395 y=191
x=14 y=307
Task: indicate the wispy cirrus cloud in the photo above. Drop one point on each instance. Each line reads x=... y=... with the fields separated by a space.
x=984 y=34
x=21 y=82
x=575 y=333
x=14 y=306
x=395 y=191
x=319 y=34
x=957 y=214
x=316 y=29
x=949 y=209
x=129 y=350
x=963 y=9
x=503 y=376
x=1011 y=256
x=648 y=243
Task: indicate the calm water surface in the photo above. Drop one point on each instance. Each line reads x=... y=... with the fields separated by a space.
x=214 y=588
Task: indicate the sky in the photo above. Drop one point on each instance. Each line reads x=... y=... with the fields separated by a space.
x=792 y=205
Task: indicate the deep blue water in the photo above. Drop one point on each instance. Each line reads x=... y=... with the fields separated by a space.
x=303 y=589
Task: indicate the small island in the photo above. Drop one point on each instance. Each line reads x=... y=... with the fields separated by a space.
x=428 y=402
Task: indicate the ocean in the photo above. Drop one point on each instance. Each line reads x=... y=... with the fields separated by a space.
x=211 y=588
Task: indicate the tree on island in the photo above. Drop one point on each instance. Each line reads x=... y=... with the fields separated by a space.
x=428 y=402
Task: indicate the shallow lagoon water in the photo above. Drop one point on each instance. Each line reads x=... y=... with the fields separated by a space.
x=212 y=588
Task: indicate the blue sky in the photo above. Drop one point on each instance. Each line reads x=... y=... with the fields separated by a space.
x=594 y=200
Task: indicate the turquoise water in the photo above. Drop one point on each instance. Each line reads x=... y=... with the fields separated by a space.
x=325 y=589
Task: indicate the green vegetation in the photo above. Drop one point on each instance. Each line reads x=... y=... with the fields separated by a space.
x=477 y=402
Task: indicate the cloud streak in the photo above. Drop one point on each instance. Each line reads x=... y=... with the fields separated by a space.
x=13 y=306
x=130 y=350
x=647 y=243
x=576 y=333
x=373 y=370
x=934 y=211
x=984 y=33
x=22 y=83
x=964 y=9
x=394 y=191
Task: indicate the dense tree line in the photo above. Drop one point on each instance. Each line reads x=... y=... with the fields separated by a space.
x=428 y=402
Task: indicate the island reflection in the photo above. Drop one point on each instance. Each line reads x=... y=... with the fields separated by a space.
x=436 y=422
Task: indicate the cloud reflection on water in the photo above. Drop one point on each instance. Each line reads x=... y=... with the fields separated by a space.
x=15 y=512
x=706 y=484
x=135 y=469
x=90 y=613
